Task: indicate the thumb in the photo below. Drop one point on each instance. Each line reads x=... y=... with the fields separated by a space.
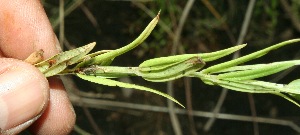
x=24 y=93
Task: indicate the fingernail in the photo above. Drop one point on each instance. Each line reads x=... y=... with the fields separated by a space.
x=23 y=93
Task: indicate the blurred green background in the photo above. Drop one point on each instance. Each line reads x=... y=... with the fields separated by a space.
x=208 y=26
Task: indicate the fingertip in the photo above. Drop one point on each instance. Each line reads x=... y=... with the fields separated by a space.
x=59 y=117
x=24 y=93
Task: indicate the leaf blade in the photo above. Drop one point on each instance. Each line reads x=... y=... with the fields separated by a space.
x=98 y=60
x=109 y=82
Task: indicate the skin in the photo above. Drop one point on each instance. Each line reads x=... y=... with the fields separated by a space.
x=27 y=98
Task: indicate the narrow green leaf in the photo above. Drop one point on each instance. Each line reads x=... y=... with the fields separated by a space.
x=287 y=98
x=258 y=71
x=239 y=68
x=296 y=96
x=83 y=53
x=254 y=86
x=248 y=86
x=98 y=60
x=206 y=57
x=248 y=57
x=109 y=82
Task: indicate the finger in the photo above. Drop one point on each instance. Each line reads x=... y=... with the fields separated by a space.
x=24 y=93
x=24 y=29
x=60 y=120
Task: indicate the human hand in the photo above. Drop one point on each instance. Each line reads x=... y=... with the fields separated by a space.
x=26 y=97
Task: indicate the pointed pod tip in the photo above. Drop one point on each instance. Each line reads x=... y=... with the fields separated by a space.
x=243 y=45
x=182 y=106
x=240 y=46
x=157 y=16
x=177 y=102
x=91 y=45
